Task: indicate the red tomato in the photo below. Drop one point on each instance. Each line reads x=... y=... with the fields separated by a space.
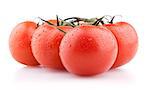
x=45 y=45
x=127 y=42
x=19 y=43
x=88 y=50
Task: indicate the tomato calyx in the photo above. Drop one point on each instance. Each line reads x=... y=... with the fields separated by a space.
x=73 y=20
x=112 y=20
x=46 y=21
x=57 y=20
x=49 y=23
x=78 y=21
x=100 y=20
x=109 y=20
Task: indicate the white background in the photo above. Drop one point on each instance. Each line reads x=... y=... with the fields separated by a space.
x=135 y=75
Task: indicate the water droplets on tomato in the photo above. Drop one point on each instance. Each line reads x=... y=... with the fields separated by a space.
x=90 y=39
x=70 y=46
x=39 y=35
x=72 y=34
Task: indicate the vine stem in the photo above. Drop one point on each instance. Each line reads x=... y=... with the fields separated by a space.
x=46 y=21
x=57 y=20
x=112 y=20
x=98 y=21
x=52 y=25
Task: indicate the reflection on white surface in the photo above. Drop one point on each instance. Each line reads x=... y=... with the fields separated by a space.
x=39 y=74
x=120 y=76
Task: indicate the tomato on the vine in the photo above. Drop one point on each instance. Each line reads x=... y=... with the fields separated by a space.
x=19 y=43
x=45 y=45
x=127 y=40
x=81 y=46
x=88 y=50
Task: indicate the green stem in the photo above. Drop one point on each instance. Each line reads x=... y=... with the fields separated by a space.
x=64 y=23
x=57 y=20
x=46 y=21
x=98 y=21
x=61 y=30
x=76 y=18
x=112 y=19
x=53 y=25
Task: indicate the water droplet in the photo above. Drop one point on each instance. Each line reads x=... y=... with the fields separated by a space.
x=65 y=41
x=90 y=39
x=83 y=38
x=57 y=42
x=39 y=35
x=70 y=45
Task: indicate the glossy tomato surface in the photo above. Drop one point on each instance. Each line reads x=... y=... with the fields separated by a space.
x=45 y=45
x=88 y=50
x=127 y=40
x=20 y=43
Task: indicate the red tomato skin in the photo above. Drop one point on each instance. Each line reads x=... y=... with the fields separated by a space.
x=127 y=42
x=45 y=45
x=88 y=50
x=19 y=43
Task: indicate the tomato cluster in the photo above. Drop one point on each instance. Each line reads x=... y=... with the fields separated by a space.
x=81 y=46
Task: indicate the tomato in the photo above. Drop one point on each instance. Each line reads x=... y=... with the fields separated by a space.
x=19 y=43
x=127 y=40
x=45 y=45
x=88 y=50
